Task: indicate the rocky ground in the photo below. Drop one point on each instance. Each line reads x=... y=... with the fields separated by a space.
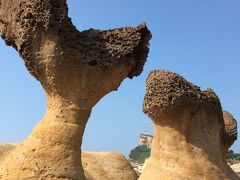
x=236 y=168
x=234 y=164
x=96 y=165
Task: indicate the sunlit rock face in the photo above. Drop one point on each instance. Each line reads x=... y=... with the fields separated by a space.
x=76 y=69
x=107 y=166
x=188 y=130
x=5 y=150
x=96 y=165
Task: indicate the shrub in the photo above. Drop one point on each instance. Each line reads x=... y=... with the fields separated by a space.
x=233 y=156
x=139 y=154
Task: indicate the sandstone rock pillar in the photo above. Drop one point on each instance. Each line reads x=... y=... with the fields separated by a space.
x=188 y=130
x=76 y=69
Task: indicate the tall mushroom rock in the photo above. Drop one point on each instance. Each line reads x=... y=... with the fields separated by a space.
x=76 y=69
x=188 y=130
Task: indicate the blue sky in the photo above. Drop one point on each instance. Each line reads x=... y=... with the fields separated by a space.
x=198 y=39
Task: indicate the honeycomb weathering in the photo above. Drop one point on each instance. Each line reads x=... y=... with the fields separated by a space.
x=188 y=138
x=168 y=91
x=76 y=69
x=29 y=26
x=230 y=129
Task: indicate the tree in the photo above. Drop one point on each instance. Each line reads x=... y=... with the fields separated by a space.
x=140 y=153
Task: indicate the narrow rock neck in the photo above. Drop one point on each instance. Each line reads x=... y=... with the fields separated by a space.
x=63 y=123
x=184 y=138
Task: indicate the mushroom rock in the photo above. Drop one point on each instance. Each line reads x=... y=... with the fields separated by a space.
x=188 y=130
x=107 y=166
x=76 y=69
x=230 y=130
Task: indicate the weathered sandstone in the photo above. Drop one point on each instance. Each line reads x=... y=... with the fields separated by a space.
x=230 y=130
x=96 y=165
x=76 y=69
x=188 y=131
x=5 y=150
x=107 y=166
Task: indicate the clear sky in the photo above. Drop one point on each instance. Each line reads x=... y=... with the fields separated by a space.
x=198 y=39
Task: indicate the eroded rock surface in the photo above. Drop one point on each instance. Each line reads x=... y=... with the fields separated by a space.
x=188 y=130
x=96 y=165
x=107 y=166
x=230 y=130
x=5 y=150
x=76 y=69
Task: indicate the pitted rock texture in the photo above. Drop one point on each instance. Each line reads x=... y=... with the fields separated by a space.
x=96 y=165
x=26 y=25
x=230 y=129
x=76 y=69
x=188 y=138
x=169 y=91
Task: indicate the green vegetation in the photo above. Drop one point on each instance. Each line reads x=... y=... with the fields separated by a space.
x=139 y=154
x=233 y=156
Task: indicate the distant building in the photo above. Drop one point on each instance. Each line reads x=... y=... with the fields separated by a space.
x=145 y=139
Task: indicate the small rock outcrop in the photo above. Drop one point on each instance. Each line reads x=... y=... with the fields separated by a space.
x=230 y=130
x=107 y=166
x=76 y=69
x=188 y=130
x=5 y=150
x=96 y=165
